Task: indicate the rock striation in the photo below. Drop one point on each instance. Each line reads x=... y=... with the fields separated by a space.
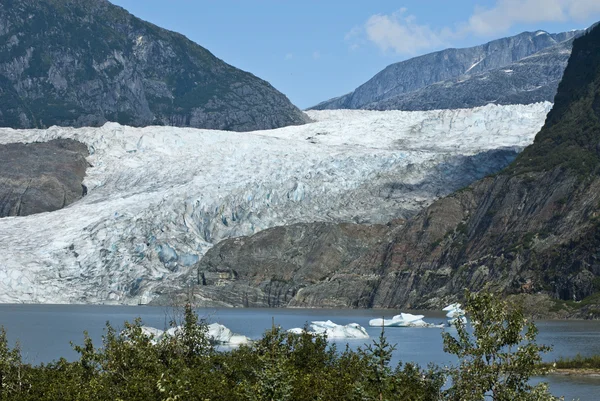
x=85 y=62
x=521 y=69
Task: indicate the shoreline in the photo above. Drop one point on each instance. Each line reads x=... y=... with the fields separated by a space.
x=587 y=372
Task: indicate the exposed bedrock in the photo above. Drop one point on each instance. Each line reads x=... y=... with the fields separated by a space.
x=41 y=177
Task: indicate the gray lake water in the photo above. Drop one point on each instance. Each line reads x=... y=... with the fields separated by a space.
x=45 y=331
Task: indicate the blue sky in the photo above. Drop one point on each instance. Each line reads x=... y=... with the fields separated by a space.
x=315 y=50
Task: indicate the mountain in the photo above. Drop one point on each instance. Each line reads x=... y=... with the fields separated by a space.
x=533 y=228
x=85 y=62
x=521 y=69
x=158 y=198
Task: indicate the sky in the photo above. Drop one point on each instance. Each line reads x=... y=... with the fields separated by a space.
x=313 y=50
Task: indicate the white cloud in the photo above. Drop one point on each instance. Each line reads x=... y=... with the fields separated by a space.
x=316 y=55
x=289 y=56
x=400 y=32
x=507 y=13
x=355 y=38
x=583 y=9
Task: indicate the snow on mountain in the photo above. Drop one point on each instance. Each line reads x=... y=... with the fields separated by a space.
x=160 y=197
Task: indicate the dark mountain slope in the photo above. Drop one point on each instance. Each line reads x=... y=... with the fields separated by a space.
x=534 y=228
x=85 y=62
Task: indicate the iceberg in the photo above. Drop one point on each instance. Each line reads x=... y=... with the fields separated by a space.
x=454 y=306
x=455 y=314
x=219 y=334
x=335 y=331
x=216 y=333
x=402 y=320
x=152 y=333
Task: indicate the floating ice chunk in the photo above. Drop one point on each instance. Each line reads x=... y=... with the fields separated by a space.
x=321 y=325
x=407 y=317
x=335 y=331
x=173 y=331
x=452 y=307
x=238 y=339
x=455 y=314
x=219 y=334
x=379 y=322
x=216 y=334
x=153 y=333
x=402 y=320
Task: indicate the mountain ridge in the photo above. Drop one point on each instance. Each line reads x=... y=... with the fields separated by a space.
x=74 y=63
x=435 y=80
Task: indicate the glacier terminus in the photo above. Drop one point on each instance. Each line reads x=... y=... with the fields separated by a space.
x=159 y=197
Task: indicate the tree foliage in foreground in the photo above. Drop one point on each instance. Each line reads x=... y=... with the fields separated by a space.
x=496 y=361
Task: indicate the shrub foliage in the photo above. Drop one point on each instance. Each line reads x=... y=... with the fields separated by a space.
x=496 y=360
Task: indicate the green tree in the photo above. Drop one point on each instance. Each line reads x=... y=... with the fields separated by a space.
x=13 y=379
x=496 y=359
x=379 y=355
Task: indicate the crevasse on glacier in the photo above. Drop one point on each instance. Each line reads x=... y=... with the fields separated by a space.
x=159 y=197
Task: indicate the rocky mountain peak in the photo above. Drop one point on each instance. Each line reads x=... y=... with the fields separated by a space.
x=520 y=69
x=83 y=63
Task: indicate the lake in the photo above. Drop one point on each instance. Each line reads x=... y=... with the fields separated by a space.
x=45 y=331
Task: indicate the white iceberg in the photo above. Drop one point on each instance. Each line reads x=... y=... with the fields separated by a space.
x=216 y=334
x=219 y=334
x=454 y=306
x=335 y=331
x=153 y=333
x=455 y=314
x=402 y=320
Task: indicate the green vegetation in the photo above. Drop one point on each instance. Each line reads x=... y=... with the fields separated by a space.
x=571 y=134
x=499 y=357
x=578 y=362
x=590 y=303
x=496 y=362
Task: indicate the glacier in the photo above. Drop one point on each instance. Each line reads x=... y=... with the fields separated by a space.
x=159 y=197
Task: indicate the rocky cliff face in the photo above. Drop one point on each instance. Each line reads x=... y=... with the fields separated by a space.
x=521 y=69
x=535 y=227
x=41 y=177
x=85 y=62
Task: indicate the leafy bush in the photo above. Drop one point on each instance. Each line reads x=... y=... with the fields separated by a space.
x=132 y=365
x=499 y=357
x=578 y=362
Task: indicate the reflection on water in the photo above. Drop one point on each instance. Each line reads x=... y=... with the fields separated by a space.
x=45 y=331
